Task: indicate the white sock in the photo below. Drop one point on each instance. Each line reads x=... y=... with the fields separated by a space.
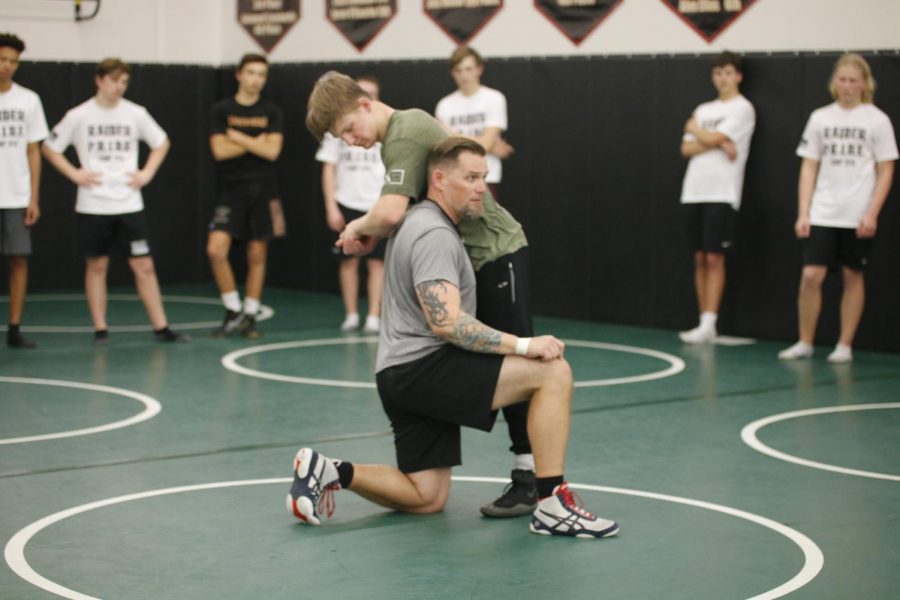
x=708 y=320
x=251 y=306
x=232 y=301
x=525 y=462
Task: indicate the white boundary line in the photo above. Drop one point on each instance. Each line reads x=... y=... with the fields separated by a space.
x=151 y=409
x=229 y=361
x=265 y=312
x=748 y=435
x=14 y=553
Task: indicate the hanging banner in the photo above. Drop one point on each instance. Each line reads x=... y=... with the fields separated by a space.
x=360 y=20
x=461 y=19
x=708 y=18
x=267 y=21
x=576 y=18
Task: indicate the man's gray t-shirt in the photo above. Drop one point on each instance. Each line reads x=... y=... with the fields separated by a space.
x=425 y=247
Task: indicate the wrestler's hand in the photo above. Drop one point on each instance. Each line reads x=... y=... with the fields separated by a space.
x=545 y=347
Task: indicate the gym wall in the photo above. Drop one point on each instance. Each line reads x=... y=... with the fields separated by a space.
x=595 y=181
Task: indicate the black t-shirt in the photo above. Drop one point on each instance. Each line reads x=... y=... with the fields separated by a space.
x=262 y=117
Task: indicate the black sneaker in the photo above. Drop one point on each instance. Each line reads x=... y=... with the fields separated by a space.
x=167 y=335
x=229 y=324
x=247 y=327
x=17 y=340
x=519 y=497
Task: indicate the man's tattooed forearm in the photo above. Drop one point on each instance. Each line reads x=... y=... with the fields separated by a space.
x=435 y=307
x=471 y=334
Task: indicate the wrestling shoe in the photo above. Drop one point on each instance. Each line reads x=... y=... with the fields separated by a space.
x=315 y=481
x=519 y=497
x=247 y=327
x=559 y=514
x=229 y=324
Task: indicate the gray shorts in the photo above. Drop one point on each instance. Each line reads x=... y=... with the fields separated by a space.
x=15 y=237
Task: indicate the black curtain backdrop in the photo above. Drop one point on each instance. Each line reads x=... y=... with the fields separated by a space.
x=595 y=180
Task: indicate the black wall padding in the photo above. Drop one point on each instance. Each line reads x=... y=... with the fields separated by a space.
x=595 y=180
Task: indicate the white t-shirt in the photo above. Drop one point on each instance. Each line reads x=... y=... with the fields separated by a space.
x=710 y=176
x=847 y=143
x=22 y=122
x=359 y=173
x=106 y=141
x=471 y=115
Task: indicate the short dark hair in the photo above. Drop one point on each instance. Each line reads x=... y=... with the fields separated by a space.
x=11 y=40
x=463 y=52
x=250 y=57
x=112 y=66
x=447 y=151
x=725 y=58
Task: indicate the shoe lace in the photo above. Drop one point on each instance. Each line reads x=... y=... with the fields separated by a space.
x=573 y=502
x=325 y=505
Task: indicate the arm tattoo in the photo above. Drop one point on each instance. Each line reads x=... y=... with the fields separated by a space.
x=471 y=334
x=466 y=332
x=435 y=308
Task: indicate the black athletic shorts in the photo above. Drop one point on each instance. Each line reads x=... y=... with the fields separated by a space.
x=351 y=214
x=98 y=234
x=710 y=226
x=249 y=211
x=427 y=400
x=834 y=246
x=15 y=237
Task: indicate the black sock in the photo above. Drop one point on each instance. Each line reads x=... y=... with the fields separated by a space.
x=545 y=485
x=163 y=331
x=345 y=473
x=12 y=331
x=101 y=334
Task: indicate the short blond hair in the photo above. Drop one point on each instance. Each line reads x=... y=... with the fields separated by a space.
x=333 y=96
x=854 y=60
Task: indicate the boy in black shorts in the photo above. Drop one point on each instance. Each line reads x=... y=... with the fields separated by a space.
x=717 y=142
x=246 y=141
x=106 y=131
x=439 y=368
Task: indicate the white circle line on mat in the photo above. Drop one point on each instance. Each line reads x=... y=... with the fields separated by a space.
x=748 y=435
x=230 y=362
x=151 y=409
x=14 y=553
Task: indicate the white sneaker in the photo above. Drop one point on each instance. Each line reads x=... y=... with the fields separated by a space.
x=373 y=324
x=559 y=514
x=798 y=350
x=351 y=323
x=841 y=354
x=698 y=335
x=315 y=481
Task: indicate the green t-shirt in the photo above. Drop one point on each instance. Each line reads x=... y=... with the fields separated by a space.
x=410 y=136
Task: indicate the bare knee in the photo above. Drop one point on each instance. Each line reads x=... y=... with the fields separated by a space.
x=97 y=266
x=560 y=371
x=433 y=502
x=256 y=254
x=18 y=264
x=812 y=277
x=142 y=266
